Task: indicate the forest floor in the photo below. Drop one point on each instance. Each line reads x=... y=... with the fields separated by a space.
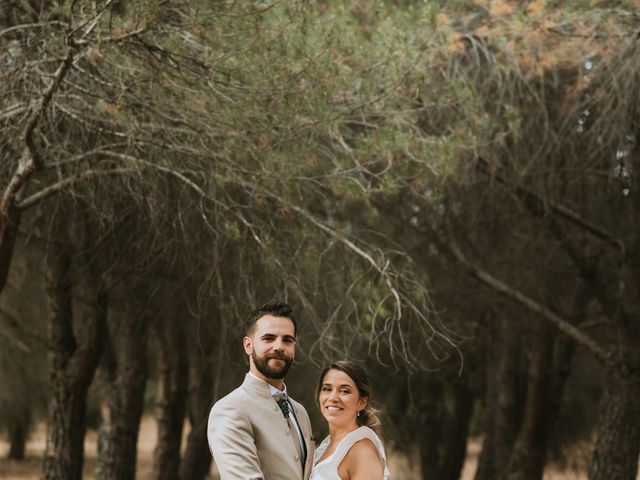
x=402 y=467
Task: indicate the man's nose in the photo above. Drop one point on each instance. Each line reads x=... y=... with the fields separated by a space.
x=277 y=344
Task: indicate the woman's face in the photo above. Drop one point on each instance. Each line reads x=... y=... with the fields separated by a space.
x=339 y=398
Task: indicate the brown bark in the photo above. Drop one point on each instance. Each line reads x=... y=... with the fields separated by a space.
x=457 y=432
x=502 y=405
x=616 y=452
x=196 y=460
x=17 y=432
x=172 y=396
x=9 y=225
x=197 y=457
x=123 y=376
x=431 y=428
x=72 y=366
x=617 y=448
x=442 y=432
x=547 y=378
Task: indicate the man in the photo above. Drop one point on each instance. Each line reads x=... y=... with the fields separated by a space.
x=257 y=432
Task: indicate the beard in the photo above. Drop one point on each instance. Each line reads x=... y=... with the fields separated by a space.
x=262 y=365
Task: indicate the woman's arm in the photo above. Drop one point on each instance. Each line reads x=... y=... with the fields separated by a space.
x=362 y=462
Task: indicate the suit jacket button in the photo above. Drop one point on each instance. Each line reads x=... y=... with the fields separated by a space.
x=297 y=458
x=275 y=409
x=288 y=432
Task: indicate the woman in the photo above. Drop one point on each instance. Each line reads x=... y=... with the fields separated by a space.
x=352 y=451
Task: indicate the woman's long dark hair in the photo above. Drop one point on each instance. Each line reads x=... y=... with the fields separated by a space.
x=369 y=416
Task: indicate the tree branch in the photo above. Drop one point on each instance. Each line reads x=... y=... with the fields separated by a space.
x=13 y=110
x=62 y=184
x=29 y=162
x=31 y=25
x=538 y=205
x=123 y=36
x=499 y=286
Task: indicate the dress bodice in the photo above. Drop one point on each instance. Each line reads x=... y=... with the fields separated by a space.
x=327 y=469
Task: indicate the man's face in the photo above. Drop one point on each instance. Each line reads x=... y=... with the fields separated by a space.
x=272 y=346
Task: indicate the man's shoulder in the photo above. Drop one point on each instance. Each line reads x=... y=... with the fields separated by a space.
x=232 y=398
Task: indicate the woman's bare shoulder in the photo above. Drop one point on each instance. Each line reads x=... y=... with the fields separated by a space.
x=362 y=462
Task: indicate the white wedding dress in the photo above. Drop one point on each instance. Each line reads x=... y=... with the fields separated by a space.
x=327 y=469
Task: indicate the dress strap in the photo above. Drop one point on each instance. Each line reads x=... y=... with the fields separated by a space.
x=352 y=438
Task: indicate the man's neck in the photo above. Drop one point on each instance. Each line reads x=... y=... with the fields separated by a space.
x=276 y=382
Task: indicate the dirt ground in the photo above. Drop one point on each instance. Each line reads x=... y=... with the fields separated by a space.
x=402 y=467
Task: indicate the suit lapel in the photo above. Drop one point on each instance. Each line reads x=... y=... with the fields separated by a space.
x=305 y=427
x=258 y=389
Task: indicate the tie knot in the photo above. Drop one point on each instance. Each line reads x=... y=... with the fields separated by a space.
x=281 y=400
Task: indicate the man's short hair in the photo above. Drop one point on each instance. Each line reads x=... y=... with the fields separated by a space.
x=275 y=308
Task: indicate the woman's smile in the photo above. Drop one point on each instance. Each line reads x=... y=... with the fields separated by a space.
x=339 y=398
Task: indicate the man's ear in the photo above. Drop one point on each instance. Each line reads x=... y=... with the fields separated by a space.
x=247 y=343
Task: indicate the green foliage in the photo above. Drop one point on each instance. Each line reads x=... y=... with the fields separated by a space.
x=257 y=108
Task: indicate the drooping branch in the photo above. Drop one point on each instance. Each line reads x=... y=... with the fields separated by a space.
x=573 y=249
x=393 y=280
x=537 y=205
x=501 y=287
x=26 y=26
x=68 y=182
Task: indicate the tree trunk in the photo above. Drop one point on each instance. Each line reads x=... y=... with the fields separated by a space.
x=196 y=460
x=172 y=397
x=123 y=376
x=431 y=427
x=618 y=445
x=502 y=404
x=72 y=367
x=457 y=432
x=547 y=379
x=17 y=432
x=9 y=225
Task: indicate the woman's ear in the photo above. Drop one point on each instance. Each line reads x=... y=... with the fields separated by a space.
x=363 y=402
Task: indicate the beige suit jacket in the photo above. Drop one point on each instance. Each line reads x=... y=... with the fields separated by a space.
x=250 y=439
